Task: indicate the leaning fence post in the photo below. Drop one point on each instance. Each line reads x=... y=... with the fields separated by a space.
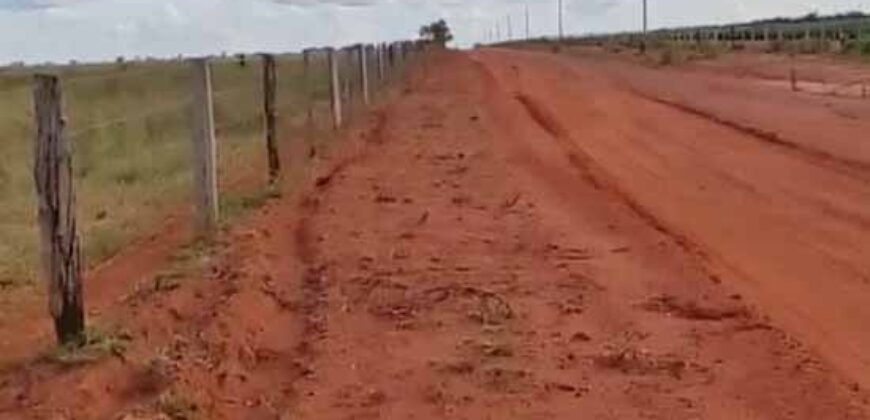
x=364 y=73
x=52 y=173
x=334 y=88
x=269 y=81
x=204 y=150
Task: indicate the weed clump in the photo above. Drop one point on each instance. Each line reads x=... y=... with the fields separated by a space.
x=93 y=345
x=176 y=406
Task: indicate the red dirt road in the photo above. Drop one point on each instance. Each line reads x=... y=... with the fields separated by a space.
x=779 y=213
x=518 y=235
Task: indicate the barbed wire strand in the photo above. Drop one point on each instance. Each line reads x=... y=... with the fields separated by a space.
x=25 y=120
x=118 y=74
x=226 y=92
x=25 y=90
x=127 y=119
x=225 y=126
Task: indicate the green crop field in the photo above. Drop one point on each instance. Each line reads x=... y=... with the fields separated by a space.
x=129 y=128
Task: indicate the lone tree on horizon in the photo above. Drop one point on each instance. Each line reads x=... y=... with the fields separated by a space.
x=436 y=32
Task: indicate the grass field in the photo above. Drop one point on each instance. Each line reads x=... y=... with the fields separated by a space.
x=129 y=127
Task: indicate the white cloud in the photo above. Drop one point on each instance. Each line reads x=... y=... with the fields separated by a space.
x=311 y=3
x=35 y=4
x=59 y=30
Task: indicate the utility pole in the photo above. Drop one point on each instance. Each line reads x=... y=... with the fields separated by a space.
x=527 y=22
x=510 y=28
x=561 y=28
x=644 y=17
x=645 y=27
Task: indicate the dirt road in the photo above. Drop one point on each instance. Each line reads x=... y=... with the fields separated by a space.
x=779 y=212
x=518 y=235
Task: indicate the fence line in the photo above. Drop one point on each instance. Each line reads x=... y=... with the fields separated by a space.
x=840 y=30
x=348 y=79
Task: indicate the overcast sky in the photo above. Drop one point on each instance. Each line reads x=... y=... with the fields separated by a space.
x=87 y=30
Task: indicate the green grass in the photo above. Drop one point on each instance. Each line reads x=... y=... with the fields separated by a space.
x=129 y=128
x=666 y=52
x=93 y=346
x=859 y=46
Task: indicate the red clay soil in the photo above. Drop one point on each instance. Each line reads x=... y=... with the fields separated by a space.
x=26 y=332
x=24 y=324
x=519 y=235
x=782 y=214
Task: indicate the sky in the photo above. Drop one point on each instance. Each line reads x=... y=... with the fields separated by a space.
x=36 y=31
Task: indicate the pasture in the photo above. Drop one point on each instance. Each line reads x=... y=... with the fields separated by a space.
x=130 y=133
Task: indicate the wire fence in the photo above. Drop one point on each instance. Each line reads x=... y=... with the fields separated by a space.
x=130 y=128
x=840 y=34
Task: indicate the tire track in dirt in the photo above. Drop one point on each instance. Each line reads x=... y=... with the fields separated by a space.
x=681 y=302
x=748 y=241
x=598 y=177
x=314 y=300
x=855 y=168
x=592 y=172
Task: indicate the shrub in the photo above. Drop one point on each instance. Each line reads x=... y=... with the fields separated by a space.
x=859 y=45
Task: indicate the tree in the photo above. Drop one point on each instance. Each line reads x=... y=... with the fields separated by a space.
x=437 y=32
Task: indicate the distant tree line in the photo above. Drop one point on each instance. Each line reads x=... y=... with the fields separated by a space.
x=815 y=17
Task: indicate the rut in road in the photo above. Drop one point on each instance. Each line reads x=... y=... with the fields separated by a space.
x=598 y=177
x=852 y=165
x=773 y=223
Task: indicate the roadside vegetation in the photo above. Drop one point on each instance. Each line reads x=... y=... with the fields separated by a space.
x=846 y=34
x=129 y=126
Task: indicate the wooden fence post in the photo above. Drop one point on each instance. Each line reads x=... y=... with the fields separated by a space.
x=399 y=55
x=385 y=57
x=59 y=242
x=363 y=73
x=204 y=150
x=269 y=82
x=334 y=89
x=346 y=62
x=309 y=93
x=380 y=55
